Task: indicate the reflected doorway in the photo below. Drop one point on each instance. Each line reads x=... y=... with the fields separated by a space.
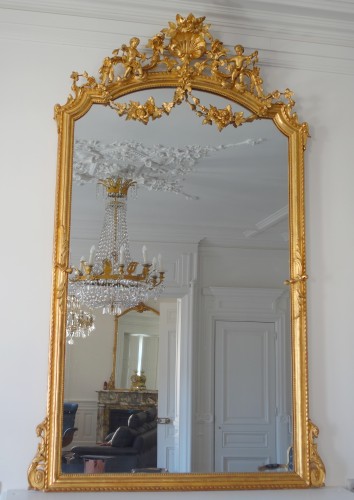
x=245 y=395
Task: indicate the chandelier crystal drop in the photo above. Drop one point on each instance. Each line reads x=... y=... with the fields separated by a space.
x=79 y=323
x=111 y=280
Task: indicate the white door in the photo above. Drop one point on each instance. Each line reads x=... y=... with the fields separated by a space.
x=245 y=396
x=167 y=433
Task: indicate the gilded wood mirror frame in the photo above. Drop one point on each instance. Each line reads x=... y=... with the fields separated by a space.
x=183 y=57
x=140 y=308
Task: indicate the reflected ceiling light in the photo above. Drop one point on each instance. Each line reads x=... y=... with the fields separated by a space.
x=79 y=323
x=111 y=280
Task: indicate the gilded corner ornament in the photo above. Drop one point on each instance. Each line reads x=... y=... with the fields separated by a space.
x=37 y=470
x=317 y=468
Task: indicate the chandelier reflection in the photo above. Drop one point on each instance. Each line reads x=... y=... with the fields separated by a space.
x=79 y=323
x=110 y=280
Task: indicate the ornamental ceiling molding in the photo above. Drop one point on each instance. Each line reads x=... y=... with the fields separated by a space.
x=318 y=27
x=157 y=167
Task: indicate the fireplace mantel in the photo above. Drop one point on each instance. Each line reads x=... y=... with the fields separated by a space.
x=120 y=399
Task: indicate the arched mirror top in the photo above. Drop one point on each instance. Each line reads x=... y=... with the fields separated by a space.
x=186 y=59
x=145 y=320
x=185 y=56
x=140 y=308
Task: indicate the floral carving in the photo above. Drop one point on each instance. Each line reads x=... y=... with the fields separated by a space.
x=187 y=50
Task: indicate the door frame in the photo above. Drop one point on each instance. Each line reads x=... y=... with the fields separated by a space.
x=254 y=453
x=237 y=304
x=184 y=377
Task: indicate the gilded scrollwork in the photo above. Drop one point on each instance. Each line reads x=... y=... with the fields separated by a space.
x=37 y=470
x=186 y=58
x=298 y=283
x=62 y=266
x=317 y=468
x=188 y=51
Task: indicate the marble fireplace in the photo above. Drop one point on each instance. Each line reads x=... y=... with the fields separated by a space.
x=116 y=405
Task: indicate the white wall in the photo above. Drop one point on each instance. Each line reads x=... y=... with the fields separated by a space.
x=243 y=267
x=38 y=52
x=88 y=362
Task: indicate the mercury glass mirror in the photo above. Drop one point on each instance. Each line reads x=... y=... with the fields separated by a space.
x=217 y=164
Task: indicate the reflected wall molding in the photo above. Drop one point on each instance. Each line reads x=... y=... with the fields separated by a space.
x=85 y=421
x=324 y=31
x=243 y=300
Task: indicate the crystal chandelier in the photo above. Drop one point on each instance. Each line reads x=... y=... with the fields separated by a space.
x=79 y=323
x=111 y=280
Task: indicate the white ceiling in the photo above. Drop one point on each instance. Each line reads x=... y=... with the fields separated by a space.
x=322 y=29
x=242 y=190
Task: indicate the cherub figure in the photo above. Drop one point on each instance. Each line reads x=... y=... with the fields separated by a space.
x=107 y=71
x=157 y=42
x=239 y=62
x=130 y=56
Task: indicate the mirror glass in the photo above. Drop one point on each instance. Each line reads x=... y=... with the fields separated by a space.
x=137 y=350
x=215 y=222
x=229 y=210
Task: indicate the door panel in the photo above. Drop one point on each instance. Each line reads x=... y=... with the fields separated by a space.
x=245 y=395
x=167 y=434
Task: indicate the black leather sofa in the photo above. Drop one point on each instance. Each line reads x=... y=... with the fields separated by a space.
x=130 y=447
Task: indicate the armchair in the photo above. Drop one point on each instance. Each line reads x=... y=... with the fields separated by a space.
x=69 y=428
